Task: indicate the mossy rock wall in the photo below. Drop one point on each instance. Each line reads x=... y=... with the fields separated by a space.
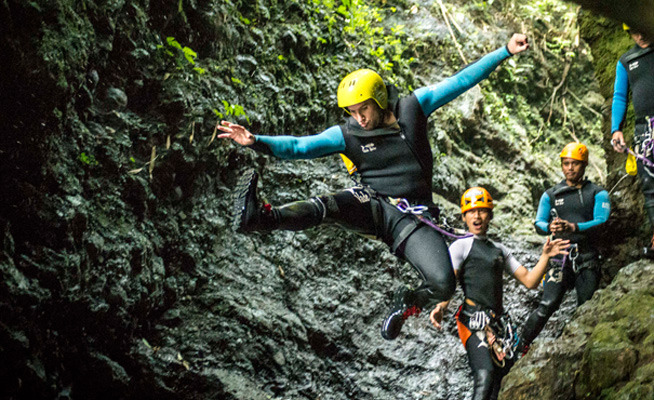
x=606 y=352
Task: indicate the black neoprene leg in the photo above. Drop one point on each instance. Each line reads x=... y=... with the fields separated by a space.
x=480 y=361
x=299 y=215
x=647 y=186
x=349 y=208
x=586 y=284
x=553 y=292
x=498 y=375
x=426 y=251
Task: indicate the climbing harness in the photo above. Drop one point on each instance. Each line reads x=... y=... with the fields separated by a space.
x=645 y=148
x=501 y=335
x=506 y=339
x=573 y=254
x=500 y=332
x=648 y=145
x=509 y=340
x=418 y=210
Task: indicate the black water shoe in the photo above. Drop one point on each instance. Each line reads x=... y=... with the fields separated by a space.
x=248 y=214
x=401 y=309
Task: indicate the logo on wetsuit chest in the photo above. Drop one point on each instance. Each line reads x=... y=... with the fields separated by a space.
x=368 y=148
x=559 y=202
x=633 y=65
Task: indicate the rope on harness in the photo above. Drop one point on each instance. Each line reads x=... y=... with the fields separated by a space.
x=404 y=206
x=648 y=145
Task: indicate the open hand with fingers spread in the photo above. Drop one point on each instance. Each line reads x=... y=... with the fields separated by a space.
x=236 y=132
x=555 y=247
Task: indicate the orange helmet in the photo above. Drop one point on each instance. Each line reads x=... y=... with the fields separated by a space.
x=476 y=197
x=576 y=151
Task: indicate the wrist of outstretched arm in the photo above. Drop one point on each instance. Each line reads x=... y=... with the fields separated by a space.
x=508 y=51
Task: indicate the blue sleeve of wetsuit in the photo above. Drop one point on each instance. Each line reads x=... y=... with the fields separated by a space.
x=601 y=211
x=434 y=96
x=325 y=143
x=620 y=97
x=542 y=222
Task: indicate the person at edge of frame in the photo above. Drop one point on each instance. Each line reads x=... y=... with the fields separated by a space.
x=635 y=73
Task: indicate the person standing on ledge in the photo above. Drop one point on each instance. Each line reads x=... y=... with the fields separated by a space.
x=635 y=73
x=386 y=139
x=574 y=209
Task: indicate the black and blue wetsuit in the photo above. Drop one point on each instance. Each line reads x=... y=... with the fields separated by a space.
x=393 y=162
x=587 y=207
x=635 y=72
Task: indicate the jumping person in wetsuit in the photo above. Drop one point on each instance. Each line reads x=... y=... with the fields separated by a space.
x=386 y=138
x=635 y=72
x=574 y=209
x=479 y=264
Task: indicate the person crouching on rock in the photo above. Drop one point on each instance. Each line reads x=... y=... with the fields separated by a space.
x=386 y=139
x=487 y=333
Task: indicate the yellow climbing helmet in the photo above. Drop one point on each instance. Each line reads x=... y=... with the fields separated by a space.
x=361 y=85
x=576 y=151
x=476 y=197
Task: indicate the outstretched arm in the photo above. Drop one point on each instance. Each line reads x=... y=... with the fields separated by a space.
x=328 y=142
x=530 y=278
x=434 y=96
